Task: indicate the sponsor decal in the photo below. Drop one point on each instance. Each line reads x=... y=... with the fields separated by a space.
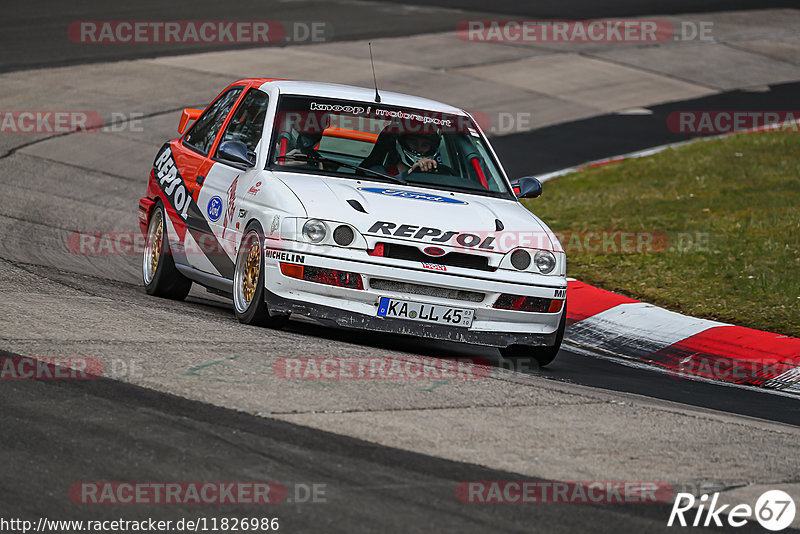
x=285 y=256
x=406 y=116
x=214 y=208
x=560 y=293
x=433 y=266
x=231 y=205
x=171 y=182
x=433 y=251
x=414 y=195
x=254 y=189
x=276 y=222
x=191 y=216
x=357 y=110
x=242 y=213
x=434 y=234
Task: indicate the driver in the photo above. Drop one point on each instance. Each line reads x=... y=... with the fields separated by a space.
x=307 y=136
x=413 y=152
x=418 y=152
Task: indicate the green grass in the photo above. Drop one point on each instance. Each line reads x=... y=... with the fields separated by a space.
x=731 y=210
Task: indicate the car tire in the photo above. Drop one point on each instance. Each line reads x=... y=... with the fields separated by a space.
x=248 y=281
x=542 y=355
x=160 y=276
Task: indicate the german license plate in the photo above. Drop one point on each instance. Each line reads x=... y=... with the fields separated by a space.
x=426 y=313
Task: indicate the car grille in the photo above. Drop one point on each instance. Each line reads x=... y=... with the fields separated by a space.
x=453 y=259
x=430 y=291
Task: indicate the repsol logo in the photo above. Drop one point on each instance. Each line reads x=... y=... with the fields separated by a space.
x=432 y=234
x=170 y=181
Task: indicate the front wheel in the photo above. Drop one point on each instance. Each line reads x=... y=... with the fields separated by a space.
x=542 y=355
x=161 y=277
x=248 y=281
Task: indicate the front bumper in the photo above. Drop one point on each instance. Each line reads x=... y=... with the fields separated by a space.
x=357 y=309
x=358 y=321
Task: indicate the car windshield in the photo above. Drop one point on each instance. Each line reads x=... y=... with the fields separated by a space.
x=385 y=143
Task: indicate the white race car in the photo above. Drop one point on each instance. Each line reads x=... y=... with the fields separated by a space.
x=374 y=211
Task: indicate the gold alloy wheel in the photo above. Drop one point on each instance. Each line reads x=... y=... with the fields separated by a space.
x=250 y=272
x=155 y=253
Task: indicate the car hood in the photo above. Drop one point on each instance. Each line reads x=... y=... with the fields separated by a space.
x=421 y=214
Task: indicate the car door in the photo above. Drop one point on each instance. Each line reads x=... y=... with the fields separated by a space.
x=193 y=159
x=228 y=181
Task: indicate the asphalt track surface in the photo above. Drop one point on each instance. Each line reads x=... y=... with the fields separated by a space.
x=568 y=144
x=377 y=489
x=54 y=433
x=31 y=34
x=587 y=9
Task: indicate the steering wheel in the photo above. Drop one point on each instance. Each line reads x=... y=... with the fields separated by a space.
x=439 y=169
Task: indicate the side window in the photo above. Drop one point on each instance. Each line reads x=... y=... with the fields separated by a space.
x=247 y=122
x=203 y=132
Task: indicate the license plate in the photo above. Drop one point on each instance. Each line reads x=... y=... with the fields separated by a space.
x=427 y=313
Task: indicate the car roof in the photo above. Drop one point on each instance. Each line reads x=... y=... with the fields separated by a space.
x=351 y=92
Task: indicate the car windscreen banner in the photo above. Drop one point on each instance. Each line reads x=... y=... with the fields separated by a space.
x=312 y=115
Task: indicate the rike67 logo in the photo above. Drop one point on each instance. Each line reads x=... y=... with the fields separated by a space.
x=774 y=510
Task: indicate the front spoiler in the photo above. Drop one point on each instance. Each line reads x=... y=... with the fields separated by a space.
x=358 y=321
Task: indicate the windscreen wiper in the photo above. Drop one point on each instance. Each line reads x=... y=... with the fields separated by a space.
x=321 y=159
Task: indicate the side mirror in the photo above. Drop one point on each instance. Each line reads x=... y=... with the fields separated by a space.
x=237 y=152
x=187 y=116
x=528 y=187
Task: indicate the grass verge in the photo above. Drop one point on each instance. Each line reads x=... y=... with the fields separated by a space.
x=714 y=227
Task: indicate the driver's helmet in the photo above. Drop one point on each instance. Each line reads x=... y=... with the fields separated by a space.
x=310 y=128
x=411 y=147
x=307 y=141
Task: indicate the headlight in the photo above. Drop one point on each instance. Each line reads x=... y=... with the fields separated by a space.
x=343 y=235
x=545 y=262
x=520 y=259
x=314 y=230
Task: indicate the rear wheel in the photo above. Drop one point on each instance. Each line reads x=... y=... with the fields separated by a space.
x=161 y=277
x=542 y=355
x=248 y=281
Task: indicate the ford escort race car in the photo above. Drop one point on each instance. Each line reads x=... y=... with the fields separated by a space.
x=366 y=210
